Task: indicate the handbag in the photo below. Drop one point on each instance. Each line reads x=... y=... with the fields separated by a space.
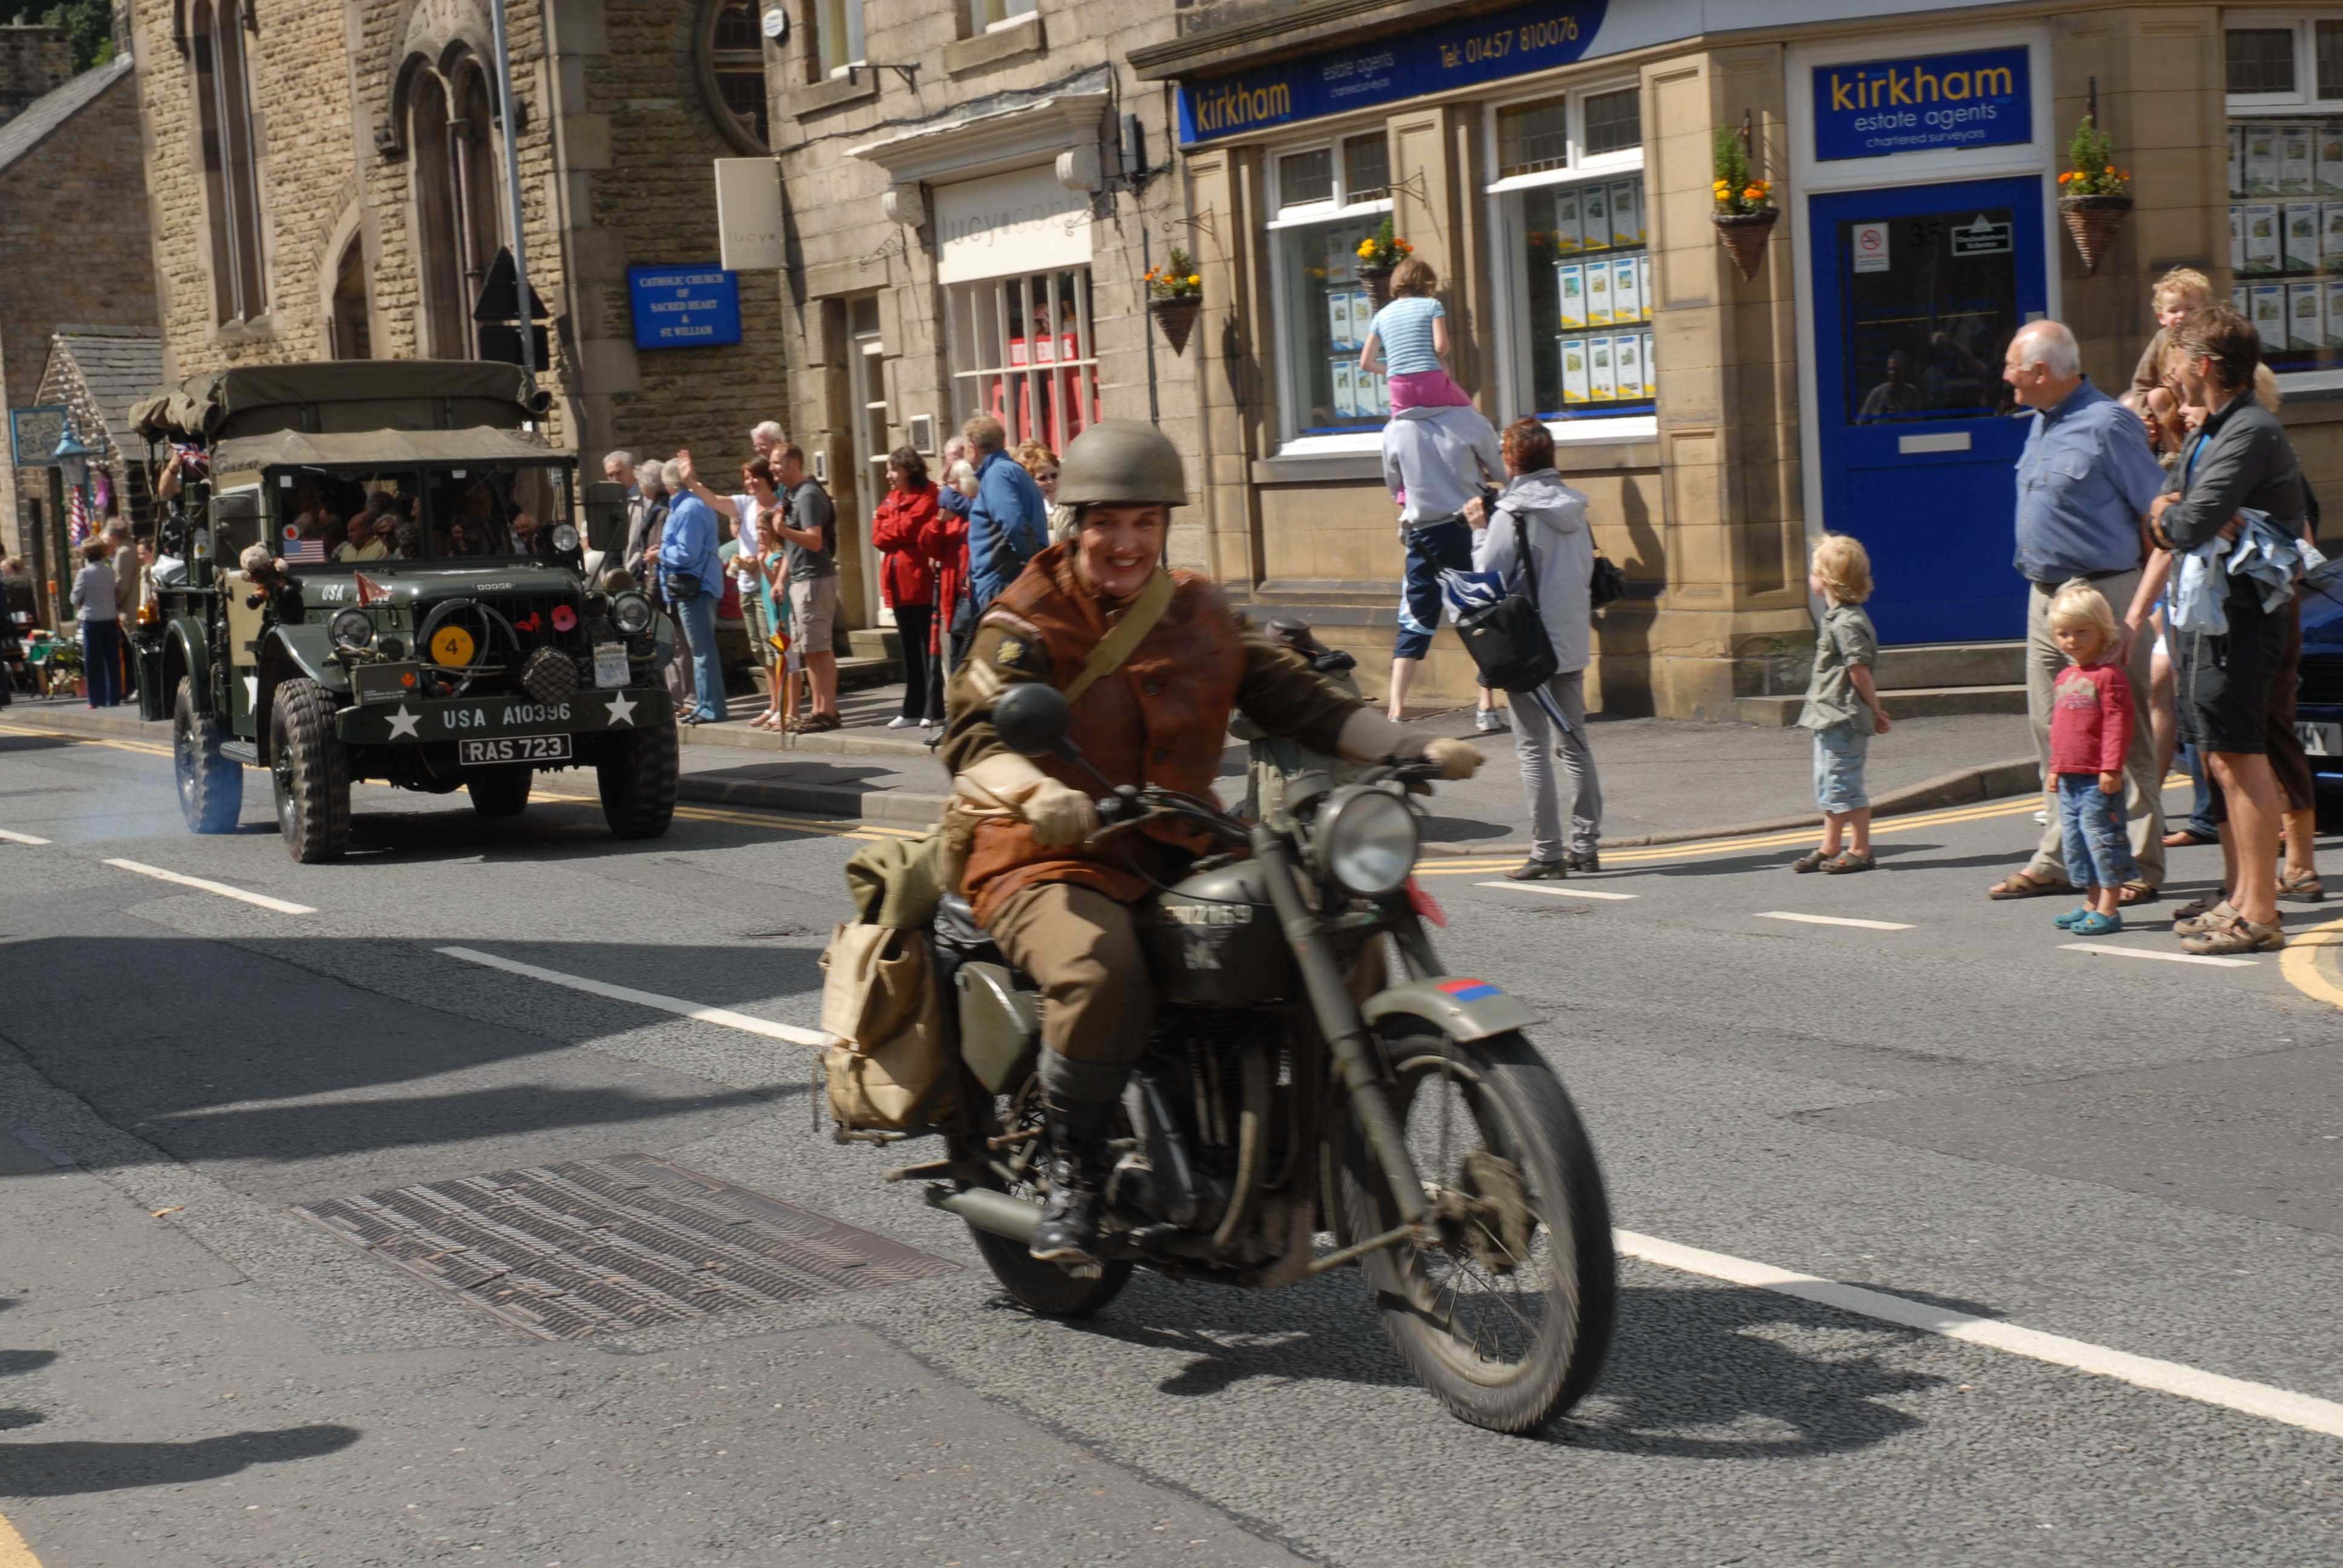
x=1508 y=639
x=681 y=586
x=1605 y=583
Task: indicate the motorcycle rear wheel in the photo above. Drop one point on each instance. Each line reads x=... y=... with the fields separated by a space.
x=1506 y=1314
x=1037 y=1286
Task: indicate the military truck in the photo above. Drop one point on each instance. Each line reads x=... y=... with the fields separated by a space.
x=422 y=613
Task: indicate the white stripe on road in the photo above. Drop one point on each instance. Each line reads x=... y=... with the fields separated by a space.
x=1571 y=893
x=749 y=1022
x=222 y=888
x=2151 y=953
x=1830 y=921
x=20 y=838
x=2253 y=1399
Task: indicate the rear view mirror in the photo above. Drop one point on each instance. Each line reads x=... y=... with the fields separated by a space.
x=1031 y=720
x=606 y=517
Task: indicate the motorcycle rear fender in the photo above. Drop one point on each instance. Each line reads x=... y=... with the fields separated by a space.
x=1462 y=1008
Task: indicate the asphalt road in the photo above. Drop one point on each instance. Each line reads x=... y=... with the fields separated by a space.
x=2136 y=1154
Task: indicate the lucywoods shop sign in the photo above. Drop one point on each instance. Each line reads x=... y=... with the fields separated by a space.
x=1459 y=53
x=1880 y=107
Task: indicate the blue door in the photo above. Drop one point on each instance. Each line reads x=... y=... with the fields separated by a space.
x=1918 y=292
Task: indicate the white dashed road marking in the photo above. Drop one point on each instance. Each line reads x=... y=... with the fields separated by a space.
x=749 y=1022
x=1569 y=892
x=2254 y=1399
x=19 y=838
x=222 y=888
x=2149 y=954
x=1831 y=920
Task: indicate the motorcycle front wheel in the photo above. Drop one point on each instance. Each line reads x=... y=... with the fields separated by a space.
x=1505 y=1309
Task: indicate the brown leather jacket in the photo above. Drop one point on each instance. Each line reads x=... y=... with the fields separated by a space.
x=1161 y=718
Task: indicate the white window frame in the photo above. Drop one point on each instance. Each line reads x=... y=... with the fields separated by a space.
x=1013 y=13
x=1582 y=168
x=1309 y=215
x=2303 y=25
x=978 y=308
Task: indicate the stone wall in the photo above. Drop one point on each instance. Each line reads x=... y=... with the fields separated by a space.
x=68 y=259
x=32 y=61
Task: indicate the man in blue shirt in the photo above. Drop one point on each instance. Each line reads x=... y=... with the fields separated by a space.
x=2085 y=483
x=688 y=548
x=1009 y=523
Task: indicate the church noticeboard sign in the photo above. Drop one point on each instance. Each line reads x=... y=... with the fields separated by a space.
x=33 y=435
x=1876 y=109
x=1464 y=52
x=684 y=307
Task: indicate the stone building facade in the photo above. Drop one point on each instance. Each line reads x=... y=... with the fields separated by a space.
x=74 y=255
x=328 y=181
x=33 y=61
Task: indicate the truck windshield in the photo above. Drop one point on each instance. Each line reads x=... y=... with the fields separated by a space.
x=327 y=517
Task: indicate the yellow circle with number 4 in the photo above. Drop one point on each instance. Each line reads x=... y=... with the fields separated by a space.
x=451 y=645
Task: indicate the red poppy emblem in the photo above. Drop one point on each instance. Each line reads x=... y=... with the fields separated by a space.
x=564 y=618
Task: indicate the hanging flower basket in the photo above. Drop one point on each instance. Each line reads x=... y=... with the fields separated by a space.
x=2094 y=221
x=1744 y=235
x=1176 y=318
x=1377 y=281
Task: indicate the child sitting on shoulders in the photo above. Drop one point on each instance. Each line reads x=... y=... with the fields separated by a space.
x=2090 y=729
x=2177 y=295
x=1411 y=335
x=1842 y=706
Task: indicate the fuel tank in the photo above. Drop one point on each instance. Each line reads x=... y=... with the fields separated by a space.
x=1213 y=940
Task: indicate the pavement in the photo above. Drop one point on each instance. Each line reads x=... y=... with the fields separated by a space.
x=1664 y=781
x=1881 y=1083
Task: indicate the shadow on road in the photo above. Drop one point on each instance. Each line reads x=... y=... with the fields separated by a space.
x=71 y=1469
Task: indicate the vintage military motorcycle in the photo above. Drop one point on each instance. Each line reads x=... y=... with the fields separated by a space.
x=1417 y=1126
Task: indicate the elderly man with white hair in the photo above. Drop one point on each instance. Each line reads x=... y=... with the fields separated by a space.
x=619 y=466
x=767 y=439
x=2085 y=484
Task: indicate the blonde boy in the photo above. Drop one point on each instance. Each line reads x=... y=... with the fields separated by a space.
x=2177 y=295
x=1843 y=706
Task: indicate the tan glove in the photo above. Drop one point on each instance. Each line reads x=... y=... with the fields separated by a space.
x=1369 y=737
x=1006 y=784
x=1455 y=759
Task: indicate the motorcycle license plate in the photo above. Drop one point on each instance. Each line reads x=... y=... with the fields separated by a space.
x=513 y=748
x=609 y=664
x=2320 y=739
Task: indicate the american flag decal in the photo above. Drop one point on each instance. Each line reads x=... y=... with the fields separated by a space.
x=305 y=552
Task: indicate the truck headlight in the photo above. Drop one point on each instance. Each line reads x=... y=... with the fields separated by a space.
x=1366 y=840
x=351 y=627
x=631 y=614
x=565 y=537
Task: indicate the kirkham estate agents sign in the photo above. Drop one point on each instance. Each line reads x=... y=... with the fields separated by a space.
x=1876 y=109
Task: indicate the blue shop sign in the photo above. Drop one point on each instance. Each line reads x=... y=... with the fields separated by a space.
x=684 y=307
x=1878 y=107
x=1459 y=53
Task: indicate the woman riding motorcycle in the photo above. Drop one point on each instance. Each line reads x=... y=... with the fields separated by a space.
x=1061 y=908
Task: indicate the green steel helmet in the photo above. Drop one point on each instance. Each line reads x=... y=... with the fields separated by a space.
x=1121 y=463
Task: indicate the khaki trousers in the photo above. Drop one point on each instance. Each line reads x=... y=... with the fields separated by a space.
x=2143 y=790
x=1081 y=947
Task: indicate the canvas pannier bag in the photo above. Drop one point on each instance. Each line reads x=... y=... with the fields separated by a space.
x=891 y=1071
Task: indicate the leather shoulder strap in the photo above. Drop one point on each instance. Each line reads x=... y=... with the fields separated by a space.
x=1117 y=645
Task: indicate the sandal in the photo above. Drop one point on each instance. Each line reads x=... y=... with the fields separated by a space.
x=2221 y=914
x=2196 y=907
x=2302 y=887
x=1812 y=860
x=2132 y=893
x=2235 y=935
x=2027 y=885
x=1848 y=862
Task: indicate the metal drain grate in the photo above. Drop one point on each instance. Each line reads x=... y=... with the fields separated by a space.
x=583 y=1246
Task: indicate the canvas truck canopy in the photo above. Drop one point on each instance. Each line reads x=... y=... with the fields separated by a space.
x=362 y=448
x=342 y=395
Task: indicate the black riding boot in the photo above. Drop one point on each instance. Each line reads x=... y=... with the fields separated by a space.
x=1067 y=1229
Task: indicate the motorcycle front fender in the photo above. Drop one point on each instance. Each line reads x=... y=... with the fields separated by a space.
x=1460 y=1009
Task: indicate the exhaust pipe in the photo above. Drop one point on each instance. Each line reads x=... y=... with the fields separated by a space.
x=989 y=1210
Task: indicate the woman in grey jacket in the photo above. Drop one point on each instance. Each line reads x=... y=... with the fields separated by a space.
x=1553 y=522
x=2240 y=459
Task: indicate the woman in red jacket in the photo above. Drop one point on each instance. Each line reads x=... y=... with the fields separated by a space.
x=945 y=545
x=907 y=581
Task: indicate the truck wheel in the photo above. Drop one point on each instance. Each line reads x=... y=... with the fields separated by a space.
x=211 y=788
x=639 y=784
x=500 y=792
x=311 y=772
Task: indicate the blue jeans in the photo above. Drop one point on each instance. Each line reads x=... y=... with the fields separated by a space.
x=2200 y=807
x=1840 y=752
x=2092 y=825
x=101 y=662
x=1431 y=549
x=698 y=618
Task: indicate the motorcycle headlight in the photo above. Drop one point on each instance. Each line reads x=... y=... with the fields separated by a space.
x=631 y=614
x=565 y=537
x=1366 y=840
x=352 y=627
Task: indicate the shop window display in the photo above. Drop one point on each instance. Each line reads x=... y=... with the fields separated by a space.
x=1323 y=308
x=1583 y=270
x=1021 y=350
x=2286 y=237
